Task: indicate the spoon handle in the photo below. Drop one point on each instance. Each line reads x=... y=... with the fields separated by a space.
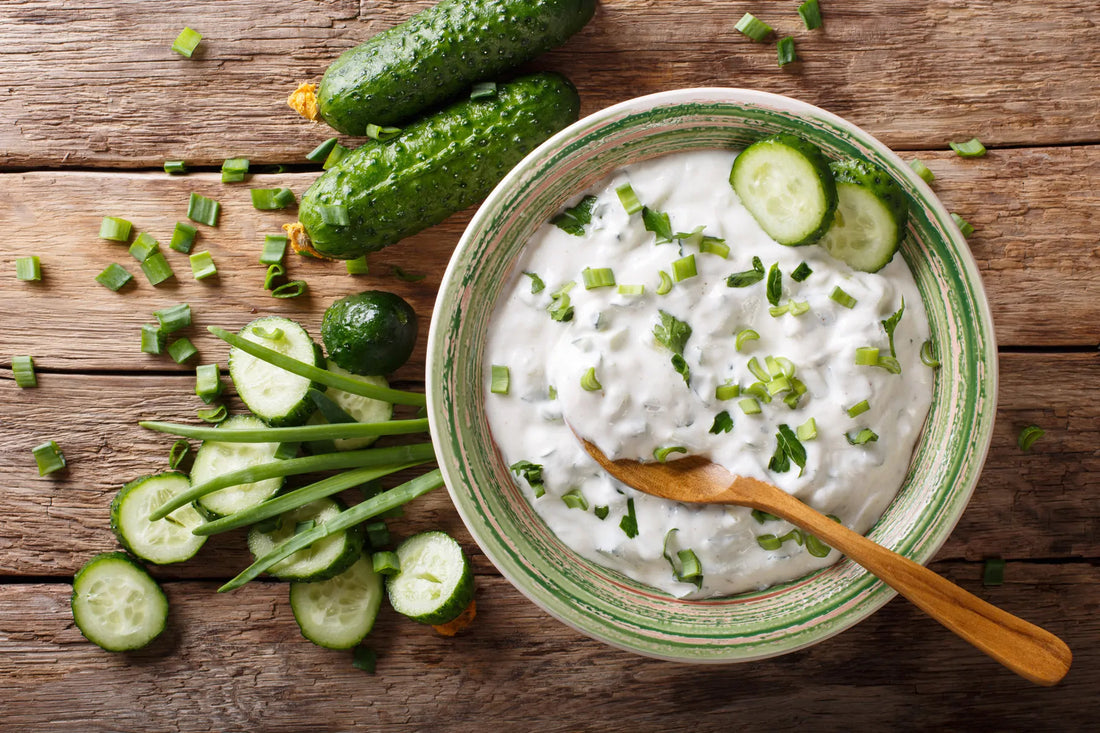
x=1026 y=649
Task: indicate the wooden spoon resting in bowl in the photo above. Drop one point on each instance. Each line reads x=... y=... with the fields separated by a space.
x=1026 y=649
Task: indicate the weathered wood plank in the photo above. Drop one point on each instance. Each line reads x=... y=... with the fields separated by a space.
x=1042 y=504
x=238 y=663
x=96 y=85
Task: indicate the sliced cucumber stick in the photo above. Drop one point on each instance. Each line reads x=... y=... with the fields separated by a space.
x=215 y=459
x=116 y=604
x=165 y=540
x=271 y=393
x=323 y=559
x=339 y=612
x=870 y=218
x=436 y=583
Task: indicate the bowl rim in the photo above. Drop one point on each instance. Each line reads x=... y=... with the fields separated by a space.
x=878 y=593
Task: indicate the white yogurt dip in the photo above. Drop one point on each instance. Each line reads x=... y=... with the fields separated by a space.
x=643 y=403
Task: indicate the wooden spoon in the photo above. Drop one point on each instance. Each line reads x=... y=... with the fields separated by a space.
x=1026 y=649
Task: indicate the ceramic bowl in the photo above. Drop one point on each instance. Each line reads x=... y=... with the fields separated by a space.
x=599 y=602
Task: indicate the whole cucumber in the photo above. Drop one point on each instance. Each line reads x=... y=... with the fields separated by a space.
x=437 y=54
x=437 y=166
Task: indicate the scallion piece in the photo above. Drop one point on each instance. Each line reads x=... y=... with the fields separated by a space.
x=769 y=541
x=744 y=335
x=574 y=499
x=993 y=572
x=183 y=237
x=715 y=246
x=866 y=435
x=208 y=382
x=691 y=569
x=409 y=277
x=759 y=391
x=271 y=199
x=291 y=289
x=589 y=383
x=807 y=430
x=186 y=42
x=274 y=272
x=152 y=339
x=784 y=49
x=779 y=385
x=628 y=198
x=337 y=153
x=889 y=363
x=275 y=249
x=748 y=277
x=532 y=473
x=175 y=167
x=375 y=132
x=234 y=170
x=173 y=318
x=202 y=266
x=801 y=272
x=816 y=547
x=181 y=350
x=500 y=379
x=144 y=247
x=749 y=406
x=28 y=268
x=114 y=277
x=761 y=516
x=779 y=310
x=727 y=391
x=598 y=277
x=115 y=229
x=49 y=457
x=319 y=153
x=838 y=295
x=378 y=534
x=22 y=368
x=629 y=523
x=972 y=148
x=922 y=170
x=684 y=268
x=335 y=215
x=631 y=290
x=386 y=563
x=858 y=408
x=483 y=90
x=601 y=512
x=292 y=435
x=178 y=454
x=811 y=14
x=214 y=415
x=758 y=371
x=798 y=307
x=928 y=356
x=203 y=210
x=775 y=285
x=866 y=356
x=753 y=28
x=964 y=226
x=537 y=285
x=358 y=266
x=666 y=283
x=1028 y=436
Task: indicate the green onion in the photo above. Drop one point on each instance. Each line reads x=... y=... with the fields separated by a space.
x=347 y=384
x=753 y=28
x=291 y=289
x=49 y=457
x=922 y=170
x=152 y=339
x=114 y=277
x=758 y=371
x=889 y=363
x=769 y=541
x=22 y=368
x=385 y=563
x=866 y=356
x=964 y=226
x=173 y=318
x=838 y=295
x=144 y=247
x=408 y=277
x=336 y=215
x=749 y=406
x=234 y=170
x=807 y=430
x=684 y=268
x=532 y=473
x=723 y=423
x=337 y=153
x=349 y=518
x=298 y=433
x=115 y=229
x=552 y=392
x=928 y=356
x=271 y=199
x=178 y=454
x=500 y=379
x=274 y=272
x=666 y=283
x=589 y=383
x=690 y=567
x=788 y=449
x=727 y=391
x=364 y=658
x=213 y=414
x=483 y=90
x=358 y=266
x=599 y=277
x=632 y=290
x=628 y=198
x=208 y=385
x=183 y=237
x=748 y=277
x=784 y=49
x=758 y=390
x=574 y=499
x=779 y=384
x=573 y=220
x=658 y=223
x=275 y=249
x=662 y=454
x=762 y=516
x=863 y=436
x=775 y=285
x=993 y=572
x=890 y=325
x=811 y=14
x=795 y=535
x=537 y=285
x=203 y=210
x=28 y=268
x=601 y=512
x=186 y=42
x=273 y=334
x=715 y=246
x=798 y=307
x=319 y=153
x=744 y=335
x=858 y=409
x=304 y=526
x=378 y=534
x=1028 y=436
x=816 y=547
x=181 y=350
x=202 y=266
x=972 y=148
x=801 y=272
x=779 y=310
x=175 y=167
x=376 y=132
x=629 y=523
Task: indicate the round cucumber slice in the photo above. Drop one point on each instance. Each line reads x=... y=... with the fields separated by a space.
x=436 y=583
x=339 y=612
x=215 y=459
x=870 y=219
x=363 y=409
x=271 y=393
x=786 y=185
x=116 y=604
x=166 y=540
x=323 y=559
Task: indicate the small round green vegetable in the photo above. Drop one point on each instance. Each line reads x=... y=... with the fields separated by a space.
x=369 y=333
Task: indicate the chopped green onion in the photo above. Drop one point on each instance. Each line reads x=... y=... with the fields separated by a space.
x=186 y=42
x=662 y=454
x=775 y=285
x=22 y=368
x=889 y=363
x=798 y=307
x=658 y=223
x=928 y=356
x=666 y=283
x=784 y=49
x=779 y=384
x=744 y=335
x=574 y=499
x=753 y=28
x=794 y=534
x=993 y=572
x=271 y=199
x=762 y=516
x=537 y=285
x=629 y=523
x=319 y=153
x=691 y=570
x=599 y=277
x=723 y=423
x=115 y=229
x=552 y=392
x=601 y=512
x=632 y=290
x=769 y=541
x=715 y=246
x=842 y=297
x=589 y=383
x=858 y=409
x=684 y=268
x=144 y=247
x=156 y=268
x=816 y=547
x=208 y=382
x=183 y=237
x=49 y=457
x=628 y=198
x=178 y=454
x=972 y=148
x=801 y=272
x=1028 y=436
x=275 y=249
x=386 y=562
x=173 y=318
x=758 y=371
x=175 y=167
x=28 y=268
x=378 y=534
x=336 y=215
x=376 y=132
x=727 y=391
x=863 y=436
x=560 y=309
x=500 y=379
x=181 y=350
x=964 y=226
x=922 y=170
x=483 y=90
x=291 y=289
x=778 y=368
x=274 y=272
x=358 y=266
x=532 y=473
x=758 y=390
x=573 y=220
x=213 y=414
x=890 y=325
x=866 y=356
x=748 y=277
x=811 y=14
x=807 y=430
x=335 y=154
x=234 y=170
x=779 y=310
x=114 y=277
x=749 y=406
x=202 y=266
x=203 y=210
x=364 y=658
x=152 y=339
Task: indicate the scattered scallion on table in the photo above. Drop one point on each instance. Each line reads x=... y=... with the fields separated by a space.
x=292 y=289
x=49 y=457
x=1028 y=436
x=785 y=51
x=186 y=42
x=810 y=13
x=234 y=170
x=271 y=199
x=175 y=167
x=972 y=148
x=114 y=277
x=152 y=339
x=320 y=153
x=275 y=249
x=208 y=383
x=115 y=229
x=173 y=318
x=183 y=237
x=357 y=266
x=203 y=210
x=178 y=454
x=202 y=265
x=22 y=369
x=753 y=28
x=181 y=350
x=28 y=268
x=922 y=170
x=964 y=226
x=144 y=247
x=386 y=562
x=274 y=272
x=214 y=414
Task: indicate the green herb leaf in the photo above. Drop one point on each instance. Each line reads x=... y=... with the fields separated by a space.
x=658 y=223
x=748 y=277
x=681 y=366
x=672 y=333
x=723 y=423
x=629 y=523
x=573 y=220
x=560 y=309
x=775 y=284
x=891 y=323
x=801 y=272
x=788 y=448
x=537 y=285
x=532 y=473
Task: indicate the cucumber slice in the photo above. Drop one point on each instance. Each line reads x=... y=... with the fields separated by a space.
x=215 y=459
x=363 y=409
x=325 y=558
x=339 y=612
x=165 y=540
x=436 y=583
x=786 y=185
x=116 y=604
x=271 y=393
x=870 y=218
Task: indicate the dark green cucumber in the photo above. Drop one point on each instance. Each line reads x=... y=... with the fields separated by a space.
x=437 y=54
x=437 y=166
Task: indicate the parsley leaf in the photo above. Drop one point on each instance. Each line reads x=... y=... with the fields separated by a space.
x=537 y=285
x=573 y=220
x=775 y=284
x=891 y=323
x=658 y=223
x=801 y=272
x=560 y=309
x=629 y=522
x=682 y=368
x=788 y=449
x=532 y=473
x=748 y=277
x=723 y=423
x=672 y=333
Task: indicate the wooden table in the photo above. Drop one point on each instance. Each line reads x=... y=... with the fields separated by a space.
x=92 y=102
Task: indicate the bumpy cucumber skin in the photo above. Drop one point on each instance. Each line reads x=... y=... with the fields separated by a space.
x=371 y=333
x=437 y=54
x=879 y=183
x=437 y=166
x=74 y=601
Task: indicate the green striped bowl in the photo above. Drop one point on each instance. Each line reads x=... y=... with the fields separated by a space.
x=600 y=602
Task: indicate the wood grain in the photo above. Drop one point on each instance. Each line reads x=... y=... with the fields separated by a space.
x=94 y=84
